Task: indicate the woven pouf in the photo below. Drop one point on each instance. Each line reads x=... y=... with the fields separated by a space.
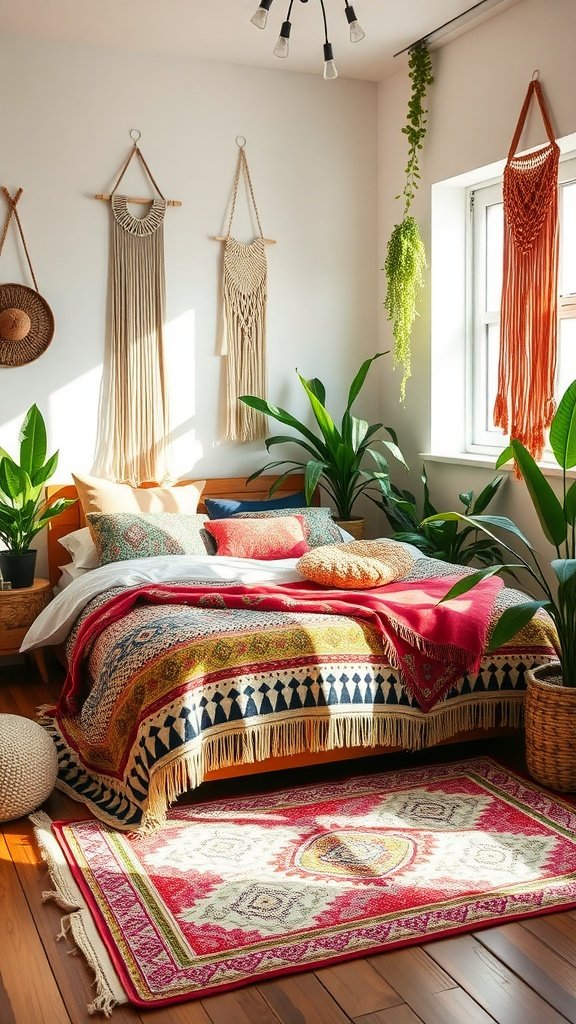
x=28 y=766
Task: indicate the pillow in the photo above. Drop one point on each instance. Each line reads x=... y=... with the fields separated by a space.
x=80 y=546
x=104 y=496
x=356 y=566
x=223 y=508
x=283 y=537
x=321 y=527
x=69 y=573
x=125 y=535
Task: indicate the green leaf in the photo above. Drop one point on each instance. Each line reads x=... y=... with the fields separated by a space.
x=469 y=582
x=548 y=509
x=323 y=418
x=32 y=440
x=466 y=498
x=317 y=388
x=261 y=405
x=511 y=621
x=563 y=429
x=570 y=504
x=314 y=472
x=45 y=472
x=14 y=481
x=486 y=495
x=504 y=457
x=358 y=382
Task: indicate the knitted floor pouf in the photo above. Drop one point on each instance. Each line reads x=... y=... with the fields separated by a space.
x=28 y=766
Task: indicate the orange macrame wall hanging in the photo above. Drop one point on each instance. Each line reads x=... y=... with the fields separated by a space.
x=525 y=398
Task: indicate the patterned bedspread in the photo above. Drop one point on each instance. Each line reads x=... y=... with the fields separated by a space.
x=176 y=691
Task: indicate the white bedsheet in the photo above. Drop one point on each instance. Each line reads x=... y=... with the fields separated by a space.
x=53 y=624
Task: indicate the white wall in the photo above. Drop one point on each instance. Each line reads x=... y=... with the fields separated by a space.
x=311 y=146
x=481 y=79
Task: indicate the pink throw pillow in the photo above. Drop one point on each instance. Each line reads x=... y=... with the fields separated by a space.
x=279 y=537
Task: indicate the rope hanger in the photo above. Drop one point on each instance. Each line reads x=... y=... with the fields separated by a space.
x=136 y=135
x=242 y=164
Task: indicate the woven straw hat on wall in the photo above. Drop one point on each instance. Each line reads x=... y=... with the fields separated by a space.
x=26 y=325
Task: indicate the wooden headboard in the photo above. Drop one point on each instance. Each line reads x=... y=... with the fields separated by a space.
x=221 y=487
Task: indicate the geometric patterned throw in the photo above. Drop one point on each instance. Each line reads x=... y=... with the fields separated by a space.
x=236 y=890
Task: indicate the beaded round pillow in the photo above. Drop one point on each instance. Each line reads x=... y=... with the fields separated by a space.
x=357 y=565
x=28 y=766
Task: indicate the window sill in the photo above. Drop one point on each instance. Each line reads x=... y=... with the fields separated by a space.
x=484 y=461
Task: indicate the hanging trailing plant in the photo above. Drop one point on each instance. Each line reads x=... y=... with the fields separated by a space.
x=406 y=255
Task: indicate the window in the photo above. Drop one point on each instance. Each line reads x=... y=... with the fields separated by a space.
x=485 y=254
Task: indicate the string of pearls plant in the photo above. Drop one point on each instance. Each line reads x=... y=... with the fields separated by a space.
x=406 y=256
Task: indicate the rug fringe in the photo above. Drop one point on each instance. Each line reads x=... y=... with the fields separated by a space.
x=78 y=922
x=409 y=729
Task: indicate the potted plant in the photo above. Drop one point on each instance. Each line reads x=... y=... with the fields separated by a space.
x=447 y=539
x=23 y=510
x=334 y=457
x=550 y=710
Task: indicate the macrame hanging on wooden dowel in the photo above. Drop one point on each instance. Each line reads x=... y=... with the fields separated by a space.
x=244 y=291
x=524 y=404
x=136 y=406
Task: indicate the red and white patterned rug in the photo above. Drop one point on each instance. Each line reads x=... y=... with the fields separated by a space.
x=236 y=890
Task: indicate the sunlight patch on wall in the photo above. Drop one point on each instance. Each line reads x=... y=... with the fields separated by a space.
x=180 y=360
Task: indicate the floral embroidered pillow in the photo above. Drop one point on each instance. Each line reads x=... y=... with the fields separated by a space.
x=265 y=538
x=321 y=527
x=358 y=565
x=127 y=535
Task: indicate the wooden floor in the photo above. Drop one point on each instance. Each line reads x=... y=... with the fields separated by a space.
x=521 y=973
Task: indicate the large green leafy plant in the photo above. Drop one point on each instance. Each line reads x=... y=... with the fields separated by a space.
x=446 y=539
x=406 y=256
x=23 y=510
x=557 y=518
x=335 y=456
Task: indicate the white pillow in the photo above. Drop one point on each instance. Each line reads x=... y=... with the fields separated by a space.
x=82 y=548
x=69 y=573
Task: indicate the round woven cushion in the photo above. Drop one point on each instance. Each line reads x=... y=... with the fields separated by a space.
x=28 y=766
x=357 y=565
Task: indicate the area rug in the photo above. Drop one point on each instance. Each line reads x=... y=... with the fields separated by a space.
x=233 y=891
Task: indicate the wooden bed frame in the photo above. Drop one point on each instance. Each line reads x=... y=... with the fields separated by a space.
x=257 y=490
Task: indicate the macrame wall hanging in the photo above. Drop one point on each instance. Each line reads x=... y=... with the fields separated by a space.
x=135 y=406
x=244 y=289
x=524 y=404
x=26 y=320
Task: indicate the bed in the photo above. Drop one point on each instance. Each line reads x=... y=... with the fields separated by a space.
x=171 y=684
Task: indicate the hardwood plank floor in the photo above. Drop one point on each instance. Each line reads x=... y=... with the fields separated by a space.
x=520 y=973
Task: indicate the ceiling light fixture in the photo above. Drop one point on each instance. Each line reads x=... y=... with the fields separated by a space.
x=282 y=47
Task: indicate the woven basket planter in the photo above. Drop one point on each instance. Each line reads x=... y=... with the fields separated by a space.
x=550 y=717
x=353 y=526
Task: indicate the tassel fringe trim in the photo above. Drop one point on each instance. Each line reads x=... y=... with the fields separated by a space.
x=77 y=923
x=409 y=730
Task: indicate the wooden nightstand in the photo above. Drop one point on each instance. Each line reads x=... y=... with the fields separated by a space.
x=18 y=609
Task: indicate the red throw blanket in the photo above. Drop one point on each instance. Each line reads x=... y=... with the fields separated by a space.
x=431 y=644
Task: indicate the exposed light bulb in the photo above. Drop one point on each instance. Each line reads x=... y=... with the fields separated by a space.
x=261 y=16
x=356 y=31
x=282 y=47
x=330 y=69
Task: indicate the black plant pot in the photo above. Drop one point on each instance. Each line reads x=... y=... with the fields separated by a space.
x=18 y=569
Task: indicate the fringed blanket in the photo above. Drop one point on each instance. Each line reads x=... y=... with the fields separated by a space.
x=169 y=691
x=432 y=644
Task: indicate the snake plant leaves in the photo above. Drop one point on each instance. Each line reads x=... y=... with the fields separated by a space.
x=563 y=429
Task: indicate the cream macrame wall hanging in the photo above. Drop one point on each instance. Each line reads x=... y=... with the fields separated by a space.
x=244 y=291
x=133 y=447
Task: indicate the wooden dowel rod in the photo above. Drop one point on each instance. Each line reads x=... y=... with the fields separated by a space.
x=223 y=238
x=135 y=199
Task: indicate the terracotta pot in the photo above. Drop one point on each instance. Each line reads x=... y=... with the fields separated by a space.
x=354 y=526
x=550 y=721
